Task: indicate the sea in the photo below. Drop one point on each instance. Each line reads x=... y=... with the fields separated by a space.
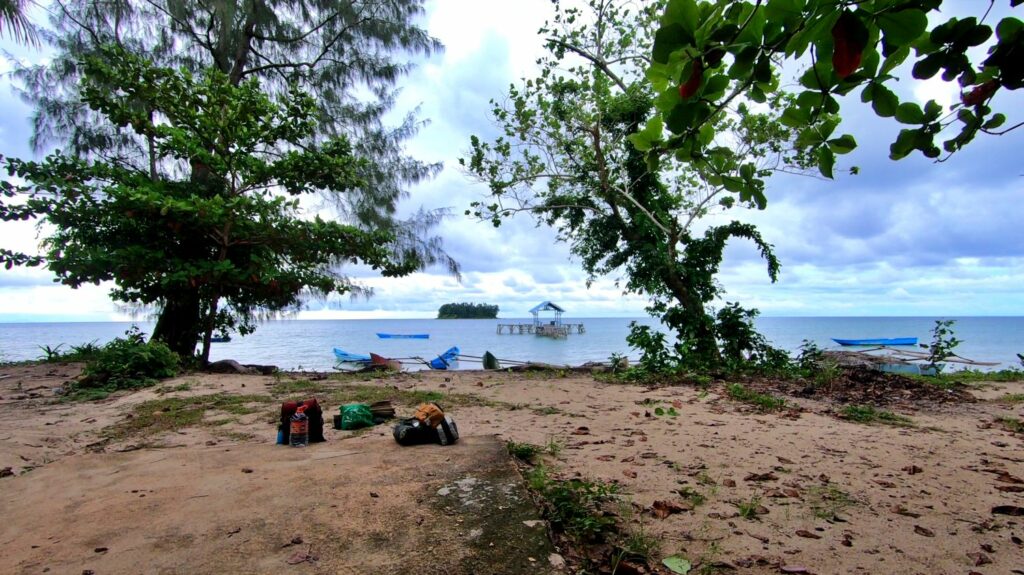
x=308 y=344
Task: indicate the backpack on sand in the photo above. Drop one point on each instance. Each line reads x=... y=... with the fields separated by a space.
x=428 y=425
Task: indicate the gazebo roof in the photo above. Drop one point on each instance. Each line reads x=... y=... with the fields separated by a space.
x=546 y=306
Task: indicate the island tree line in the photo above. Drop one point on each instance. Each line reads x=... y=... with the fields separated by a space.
x=467 y=311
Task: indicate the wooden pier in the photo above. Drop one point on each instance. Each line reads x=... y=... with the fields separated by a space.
x=562 y=330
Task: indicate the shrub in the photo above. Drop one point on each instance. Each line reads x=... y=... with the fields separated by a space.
x=129 y=362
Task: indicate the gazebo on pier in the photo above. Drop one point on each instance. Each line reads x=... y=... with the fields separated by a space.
x=551 y=328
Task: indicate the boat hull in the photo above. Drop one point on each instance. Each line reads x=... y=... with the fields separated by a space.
x=346 y=357
x=403 y=335
x=877 y=341
x=490 y=362
x=445 y=360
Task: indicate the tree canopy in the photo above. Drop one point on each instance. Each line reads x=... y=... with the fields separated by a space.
x=567 y=154
x=345 y=54
x=467 y=311
x=232 y=243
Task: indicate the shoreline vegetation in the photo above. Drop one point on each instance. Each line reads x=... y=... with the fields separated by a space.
x=467 y=311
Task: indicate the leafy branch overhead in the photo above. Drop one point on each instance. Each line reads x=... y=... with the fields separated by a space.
x=709 y=55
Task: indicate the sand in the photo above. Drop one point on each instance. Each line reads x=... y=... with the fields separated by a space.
x=800 y=490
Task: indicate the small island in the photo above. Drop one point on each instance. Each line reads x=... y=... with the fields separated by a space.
x=467 y=311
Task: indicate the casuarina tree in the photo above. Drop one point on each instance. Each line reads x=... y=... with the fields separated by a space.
x=344 y=54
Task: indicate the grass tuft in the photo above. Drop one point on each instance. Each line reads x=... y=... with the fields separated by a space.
x=174 y=413
x=762 y=401
x=869 y=414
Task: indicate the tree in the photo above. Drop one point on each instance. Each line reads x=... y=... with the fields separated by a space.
x=15 y=24
x=467 y=311
x=336 y=50
x=709 y=55
x=568 y=154
x=227 y=242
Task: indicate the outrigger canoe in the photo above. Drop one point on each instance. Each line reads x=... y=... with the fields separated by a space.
x=878 y=341
x=346 y=357
x=491 y=362
x=445 y=359
x=403 y=335
x=385 y=362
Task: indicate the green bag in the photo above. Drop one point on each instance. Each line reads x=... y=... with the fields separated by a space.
x=356 y=416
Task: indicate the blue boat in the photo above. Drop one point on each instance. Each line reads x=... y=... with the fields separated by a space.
x=220 y=339
x=878 y=341
x=445 y=359
x=346 y=357
x=403 y=335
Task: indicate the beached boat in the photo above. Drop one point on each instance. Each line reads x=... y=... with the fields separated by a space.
x=403 y=335
x=490 y=362
x=445 y=359
x=385 y=362
x=346 y=357
x=878 y=341
x=223 y=339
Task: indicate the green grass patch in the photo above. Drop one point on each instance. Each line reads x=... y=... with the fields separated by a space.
x=868 y=414
x=174 y=413
x=749 y=509
x=828 y=501
x=523 y=451
x=575 y=505
x=1011 y=424
x=1011 y=398
x=297 y=386
x=762 y=401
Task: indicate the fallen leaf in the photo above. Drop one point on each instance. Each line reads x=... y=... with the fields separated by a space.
x=785 y=461
x=662 y=509
x=1008 y=510
x=912 y=470
x=583 y=430
x=1011 y=488
x=1005 y=477
x=629 y=473
x=729 y=482
x=923 y=531
x=885 y=483
x=807 y=534
x=627 y=459
x=677 y=565
x=246 y=470
x=374 y=494
x=987 y=547
x=847 y=540
x=677 y=404
x=793 y=569
x=769 y=476
x=790 y=492
x=605 y=457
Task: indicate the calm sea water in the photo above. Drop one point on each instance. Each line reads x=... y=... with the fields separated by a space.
x=307 y=344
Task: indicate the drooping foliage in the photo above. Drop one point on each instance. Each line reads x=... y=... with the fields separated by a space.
x=709 y=55
x=225 y=246
x=567 y=154
x=345 y=53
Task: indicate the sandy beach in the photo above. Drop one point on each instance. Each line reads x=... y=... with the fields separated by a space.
x=184 y=477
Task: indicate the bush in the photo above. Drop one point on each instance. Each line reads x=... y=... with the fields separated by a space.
x=129 y=362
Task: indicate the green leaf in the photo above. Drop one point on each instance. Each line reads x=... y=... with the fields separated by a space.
x=795 y=117
x=903 y=27
x=788 y=12
x=843 y=144
x=659 y=411
x=668 y=39
x=893 y=60
x=826 y=161
x=682 y=12
x=677 y=564
x=909 y=113
x=884 y=102
x=994 y=122
x=1007 y=28
x=903 y=145
x=929 y=66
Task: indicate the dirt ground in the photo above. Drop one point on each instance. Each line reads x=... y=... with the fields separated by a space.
x=108 y=486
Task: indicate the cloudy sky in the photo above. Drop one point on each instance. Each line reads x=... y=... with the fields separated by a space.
x=903 y=239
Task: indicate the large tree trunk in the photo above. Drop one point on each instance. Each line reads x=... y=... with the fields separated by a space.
x=179 y=323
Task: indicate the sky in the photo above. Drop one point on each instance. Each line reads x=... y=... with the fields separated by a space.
x=908 y=238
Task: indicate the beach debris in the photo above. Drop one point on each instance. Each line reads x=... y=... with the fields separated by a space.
x=1011 y=510
x=912 y=470
x=100 y=550
x=767 y=476
x=246 y=470
x=901 y=510
x=677 y=564
x=629 y=473
x=6 y=472
x=923 y=531
x=793 y=569
x=582 y=430
x=662 y=509
x=979 y=558
x=807 y=534
x=302 y=557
